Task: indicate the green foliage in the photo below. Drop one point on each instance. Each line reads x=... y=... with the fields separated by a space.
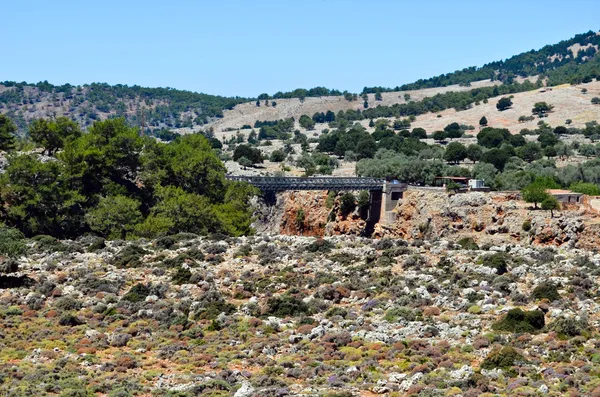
x=404 y=313
x=137 y=293
x=526 y=225
x=286 y=305
x=550 y=203
x=347 y=203
x=545 y=290
x=52 y=134
x=569 y=326
x=364 y=199
x=468 y=243
x=496 y=261
x=535 y=192
x=7 y=130
x=455 y=152
x=306 y=122
x=277 y=156
x=248 y=152
x=12 y=242
x=493 y=137
x=503 y=358
x=181 y=276
x=474 y=152
x=41 y=197
x=300 y=218
x=504 y=103
x=591 y=189
x=114 y=216
x=129 y=256
x=483 y=121
x=541 y=108
x=519 y=321
x=320 y=245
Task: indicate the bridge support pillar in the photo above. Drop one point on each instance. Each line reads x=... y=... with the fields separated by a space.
x=392 y=193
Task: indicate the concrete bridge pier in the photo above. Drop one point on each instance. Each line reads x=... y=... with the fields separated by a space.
x=392 y=193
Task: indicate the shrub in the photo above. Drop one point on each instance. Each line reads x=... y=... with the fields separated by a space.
x=468 y=243
x=165 y=242
x=347 y=203
x=503 y=358
x=496 y=261
x=69 y=320
x=545 y=290
x=397 y=313
x=181 y=276
x=286 y=305
x=12 y=241
x=526 y=225
x=569 y=326
x=44 y=243
x=320 y=245
x=67 y=303
x=244 y=250
x=517 y=320
x=129 y=256
x=137 y=293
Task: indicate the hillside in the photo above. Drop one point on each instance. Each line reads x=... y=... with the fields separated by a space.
x=570 y=61
x=154 y=108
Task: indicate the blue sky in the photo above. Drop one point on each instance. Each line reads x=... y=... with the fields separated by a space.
x=248 y=47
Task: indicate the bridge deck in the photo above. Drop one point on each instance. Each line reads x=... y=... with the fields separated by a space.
x=277 y=184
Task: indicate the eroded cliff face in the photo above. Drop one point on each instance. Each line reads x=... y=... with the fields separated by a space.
x=424 y=214
x=307 y=213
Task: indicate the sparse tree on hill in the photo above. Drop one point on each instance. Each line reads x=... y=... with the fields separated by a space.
x=483 y=122
x=595 y=100
x=541 y=108
x=504 y=103
x=550 y=203
x=534 y=193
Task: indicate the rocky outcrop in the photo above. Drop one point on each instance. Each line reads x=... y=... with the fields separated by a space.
x=489 y=218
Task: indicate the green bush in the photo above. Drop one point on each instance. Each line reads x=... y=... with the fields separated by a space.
x=496 y=261
x=504 y=359
x=468 y=243
x=129 y=256
x=517 y=320
x=569 y=326
x=137 y=293
x=545 y=290
x=286 y=305
x=181 y=276
x=397 y=313
x=526 y=225
x=320 y=245
x=347 y=203
x=12 y=242
x=44 y=243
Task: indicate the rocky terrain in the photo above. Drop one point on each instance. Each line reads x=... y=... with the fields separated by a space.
x=290 y=316
x=429 y=213
x=470 y=300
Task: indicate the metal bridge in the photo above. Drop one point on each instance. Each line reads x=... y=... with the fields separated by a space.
x=278 y=184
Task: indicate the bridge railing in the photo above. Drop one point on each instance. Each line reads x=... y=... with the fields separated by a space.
x=312 y=183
